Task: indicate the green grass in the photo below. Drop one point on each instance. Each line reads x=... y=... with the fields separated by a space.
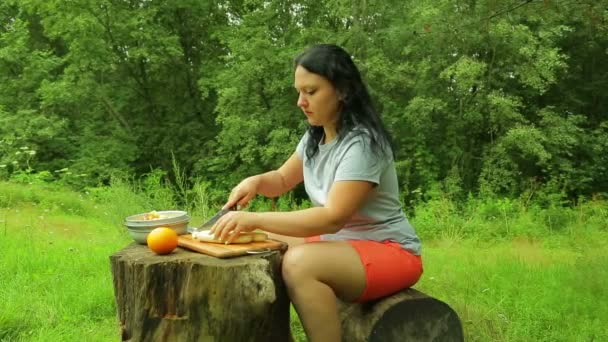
x=523 y=290
x=55 y=280
x=55 y=275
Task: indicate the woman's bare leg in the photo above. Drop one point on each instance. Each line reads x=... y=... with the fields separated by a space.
x=316 y=274
x=291 y=242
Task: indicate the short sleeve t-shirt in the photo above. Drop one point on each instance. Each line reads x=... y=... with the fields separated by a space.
x=381 y=217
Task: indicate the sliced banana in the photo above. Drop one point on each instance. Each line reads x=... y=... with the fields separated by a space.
x=205 y=236
x=257 y=236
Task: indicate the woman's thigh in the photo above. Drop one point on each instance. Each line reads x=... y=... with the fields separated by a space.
x=335 y=263
x=358 y=270
x=388 y=267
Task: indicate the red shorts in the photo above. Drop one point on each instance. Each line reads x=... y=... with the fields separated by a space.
x=388 y=267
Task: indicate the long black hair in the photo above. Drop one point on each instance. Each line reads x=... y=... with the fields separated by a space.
x=357 y=110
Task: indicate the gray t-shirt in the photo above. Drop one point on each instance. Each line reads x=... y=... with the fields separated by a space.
x=351 y=158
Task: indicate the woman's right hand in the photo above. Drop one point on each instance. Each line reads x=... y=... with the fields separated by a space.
x=243 y=192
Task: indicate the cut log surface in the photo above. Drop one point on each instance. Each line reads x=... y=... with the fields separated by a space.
x=408 y=315
x=188 y=296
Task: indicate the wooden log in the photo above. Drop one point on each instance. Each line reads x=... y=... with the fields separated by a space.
x=187 y=296
x=408 y=315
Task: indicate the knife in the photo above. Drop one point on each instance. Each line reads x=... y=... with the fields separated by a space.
x=214 y=219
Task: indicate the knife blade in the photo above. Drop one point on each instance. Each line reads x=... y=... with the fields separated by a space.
x=214 y=219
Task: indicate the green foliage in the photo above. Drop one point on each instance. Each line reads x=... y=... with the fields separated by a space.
x=282 y=203
x=492 y=219
x=33 y=190
x=27 y=140
x=481 y=97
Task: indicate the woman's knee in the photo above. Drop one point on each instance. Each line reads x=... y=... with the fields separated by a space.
x=335 y=264
x=295 y=264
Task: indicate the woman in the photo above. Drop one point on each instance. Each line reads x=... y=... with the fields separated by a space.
x=359 y=244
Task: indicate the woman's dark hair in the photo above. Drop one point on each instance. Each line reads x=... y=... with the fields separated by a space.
x=357 y=109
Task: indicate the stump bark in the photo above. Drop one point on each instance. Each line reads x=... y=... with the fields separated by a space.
x=187 y=296
x=408 y=315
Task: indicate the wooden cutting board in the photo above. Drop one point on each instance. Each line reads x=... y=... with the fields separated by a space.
x=227 y=251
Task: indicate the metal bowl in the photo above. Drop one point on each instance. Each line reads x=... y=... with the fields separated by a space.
x=139 y=227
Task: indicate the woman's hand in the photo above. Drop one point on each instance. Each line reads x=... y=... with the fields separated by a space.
x=232 y=224
x=243 y=192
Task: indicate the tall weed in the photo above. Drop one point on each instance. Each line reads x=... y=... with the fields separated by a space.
x=440 y=217
x=48 y=197
x=504 y=218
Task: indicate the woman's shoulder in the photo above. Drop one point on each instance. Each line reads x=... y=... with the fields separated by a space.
x=363 y=137
x=358 y=134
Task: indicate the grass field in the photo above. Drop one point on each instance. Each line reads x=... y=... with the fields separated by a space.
x=55 y=281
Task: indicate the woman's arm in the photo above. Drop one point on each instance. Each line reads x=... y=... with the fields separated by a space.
x=344 y=199
x=270 y=184
x=278 y=182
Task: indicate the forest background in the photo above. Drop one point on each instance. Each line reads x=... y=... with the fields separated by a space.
x=502 y=98
x=498 y=112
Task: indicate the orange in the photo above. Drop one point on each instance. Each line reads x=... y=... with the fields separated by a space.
x=162 y=240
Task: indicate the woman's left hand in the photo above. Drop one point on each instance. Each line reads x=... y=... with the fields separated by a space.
x=234 y=222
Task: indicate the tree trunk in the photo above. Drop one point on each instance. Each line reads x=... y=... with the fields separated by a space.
x=187 y=296
x=408 y=315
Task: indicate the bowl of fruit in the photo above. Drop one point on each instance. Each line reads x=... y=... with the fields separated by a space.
x=140 y=225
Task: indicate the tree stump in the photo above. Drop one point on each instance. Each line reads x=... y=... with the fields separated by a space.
x=188 y=296
x=408 y=315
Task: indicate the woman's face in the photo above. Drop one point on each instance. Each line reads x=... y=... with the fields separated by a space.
x=317 y=98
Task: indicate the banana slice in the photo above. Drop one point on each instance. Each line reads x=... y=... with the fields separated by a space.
x=257 y=236
x=205 y=236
